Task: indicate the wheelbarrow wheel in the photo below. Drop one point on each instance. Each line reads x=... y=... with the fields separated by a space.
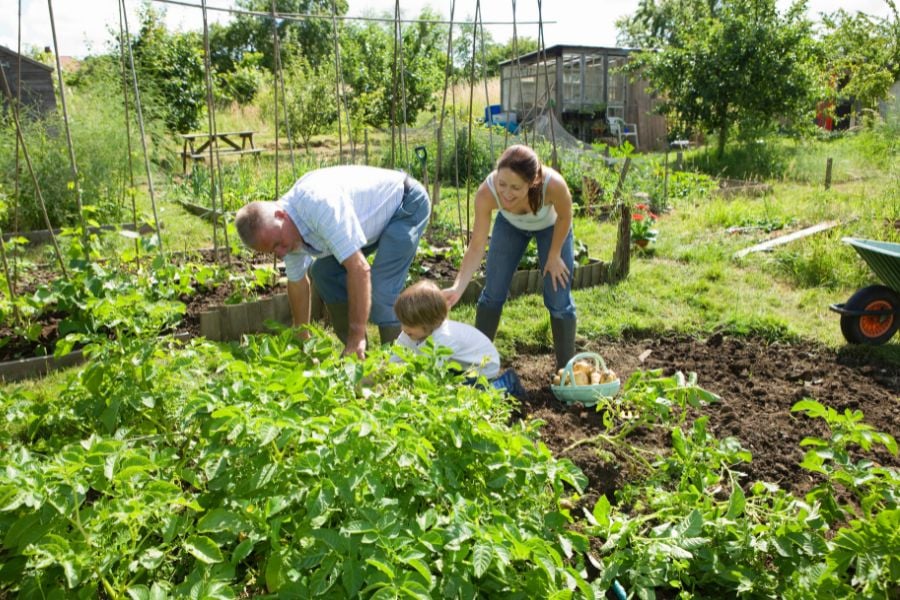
x=871 y=330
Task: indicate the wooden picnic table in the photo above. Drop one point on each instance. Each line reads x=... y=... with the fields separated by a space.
x=225 y=143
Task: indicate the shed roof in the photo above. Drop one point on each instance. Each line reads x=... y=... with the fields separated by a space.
x=559 y=49
x=13 y=55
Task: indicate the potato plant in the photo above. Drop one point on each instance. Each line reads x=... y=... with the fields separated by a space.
x=120 y=297
x=174 y=472
x=694 y=526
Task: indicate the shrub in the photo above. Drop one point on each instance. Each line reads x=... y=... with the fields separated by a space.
x=101 y=161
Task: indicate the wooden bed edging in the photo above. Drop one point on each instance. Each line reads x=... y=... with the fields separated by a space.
x=38 y=366
x=230 y=322
x=42 y=236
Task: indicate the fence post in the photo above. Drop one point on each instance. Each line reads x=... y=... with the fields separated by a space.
x=828 y=173
x=366 y=143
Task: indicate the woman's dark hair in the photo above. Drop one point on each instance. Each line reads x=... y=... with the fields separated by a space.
x=524 y=162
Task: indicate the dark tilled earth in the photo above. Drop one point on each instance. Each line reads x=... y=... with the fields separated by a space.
x=757 y=381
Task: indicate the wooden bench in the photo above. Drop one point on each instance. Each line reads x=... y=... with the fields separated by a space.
x=225 y=143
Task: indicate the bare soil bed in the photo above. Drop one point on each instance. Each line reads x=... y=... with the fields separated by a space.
x=757 y=381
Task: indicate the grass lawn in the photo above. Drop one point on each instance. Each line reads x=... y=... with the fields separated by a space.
x=688 y=281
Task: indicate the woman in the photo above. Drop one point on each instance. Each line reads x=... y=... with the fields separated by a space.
x=533 y=201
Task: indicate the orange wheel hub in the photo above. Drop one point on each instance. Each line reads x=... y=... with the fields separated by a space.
x=875 y=325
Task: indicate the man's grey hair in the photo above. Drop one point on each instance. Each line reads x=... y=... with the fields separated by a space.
x=250 y=219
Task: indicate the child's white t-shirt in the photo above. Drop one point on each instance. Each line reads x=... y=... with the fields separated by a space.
x=471 y=348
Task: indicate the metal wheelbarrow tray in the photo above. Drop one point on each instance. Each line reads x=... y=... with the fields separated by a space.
x=872 y=315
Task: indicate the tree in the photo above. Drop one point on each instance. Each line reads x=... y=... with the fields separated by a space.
x=368 y=66
x=307 y=38
x=651 y=25
x=306 y=89
x=170 y=72
x=497 y=53
x=486 y=62
x=734 y=63
x=863 y=55
x=241 y=84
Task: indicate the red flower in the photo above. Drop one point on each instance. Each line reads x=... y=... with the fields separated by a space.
x=637 y=217
x=641 y=206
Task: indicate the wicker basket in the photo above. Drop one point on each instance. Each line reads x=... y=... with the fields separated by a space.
x=587 y=395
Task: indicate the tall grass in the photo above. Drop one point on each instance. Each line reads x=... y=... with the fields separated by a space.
x=100 y=147
x=855 y=155
x=480 y=99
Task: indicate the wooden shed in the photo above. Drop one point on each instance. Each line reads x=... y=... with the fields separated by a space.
x=582 y=85
x=36 y=82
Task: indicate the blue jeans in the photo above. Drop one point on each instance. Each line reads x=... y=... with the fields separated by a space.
x=507 y=246
x=394 y=252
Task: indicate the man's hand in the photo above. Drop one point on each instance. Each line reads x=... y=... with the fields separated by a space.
x=356 y=347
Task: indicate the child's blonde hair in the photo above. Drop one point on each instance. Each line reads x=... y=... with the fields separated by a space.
x=421 y=305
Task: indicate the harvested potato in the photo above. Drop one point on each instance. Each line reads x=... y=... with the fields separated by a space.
x=585 y=373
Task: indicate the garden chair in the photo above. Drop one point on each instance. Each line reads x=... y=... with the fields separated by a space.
x=622 y=130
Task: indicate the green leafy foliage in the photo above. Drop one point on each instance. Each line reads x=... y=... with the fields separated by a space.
x=305 y=89
x=241 y=83
x=247 y=33
x=862 y=57
x=874 y=487
x=690 y=525
x=170 y=68
x=101 y=170
x=713 y=58
x=387 y=87
x=121 y=298
x=199 y=471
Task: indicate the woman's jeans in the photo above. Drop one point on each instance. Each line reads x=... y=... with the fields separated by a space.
x=507 y=246
x=394 y=253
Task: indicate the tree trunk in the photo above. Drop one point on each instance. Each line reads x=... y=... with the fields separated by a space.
x=723 y=137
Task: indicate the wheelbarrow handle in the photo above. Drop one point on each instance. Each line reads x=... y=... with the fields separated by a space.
x=843 y=310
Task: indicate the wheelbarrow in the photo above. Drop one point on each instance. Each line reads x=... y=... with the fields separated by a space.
x=872 y=315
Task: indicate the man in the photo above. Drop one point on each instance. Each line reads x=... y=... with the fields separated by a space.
x=327 y=224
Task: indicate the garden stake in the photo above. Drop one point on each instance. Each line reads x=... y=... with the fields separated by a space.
x=215 y=165
x=65 y=113
x=276 y=50
x=9 y=281
x=617 y=195
x=436 y=193
x=132 y=188
x=277 y=53
x=37 y=187
x=140 y=119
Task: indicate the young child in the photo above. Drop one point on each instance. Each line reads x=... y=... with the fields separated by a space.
x=422 y=311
